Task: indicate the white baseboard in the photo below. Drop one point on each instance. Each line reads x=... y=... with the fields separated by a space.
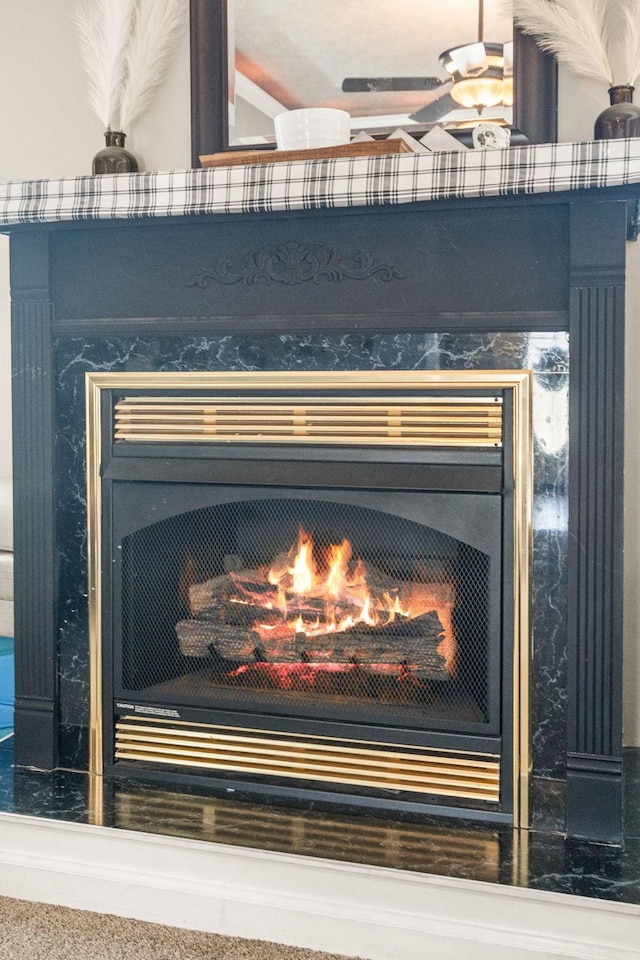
x=6 y=575
x=369 y=912
x=6 y=594
x=6 y=618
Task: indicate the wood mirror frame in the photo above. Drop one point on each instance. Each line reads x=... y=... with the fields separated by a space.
x=535 y=79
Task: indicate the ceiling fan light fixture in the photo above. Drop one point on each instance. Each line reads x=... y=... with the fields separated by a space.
x=469 y=60
x=477 y=70
x=478 y=92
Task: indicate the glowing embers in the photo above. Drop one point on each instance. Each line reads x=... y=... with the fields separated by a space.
x=319 y=618
x=385 y=682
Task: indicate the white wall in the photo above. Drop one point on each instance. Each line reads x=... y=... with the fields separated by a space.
x=48 y=130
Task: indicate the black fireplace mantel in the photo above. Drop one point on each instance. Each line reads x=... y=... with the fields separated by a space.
x=504 y=265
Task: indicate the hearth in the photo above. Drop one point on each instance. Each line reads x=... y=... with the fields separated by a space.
x=321 y=592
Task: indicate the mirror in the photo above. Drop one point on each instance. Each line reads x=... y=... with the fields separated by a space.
x=252 y=59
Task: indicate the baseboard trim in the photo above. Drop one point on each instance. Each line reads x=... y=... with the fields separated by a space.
x=370 y=912
x=594 y=798
x=6 y=618
x=6 y=568
x=35 y=725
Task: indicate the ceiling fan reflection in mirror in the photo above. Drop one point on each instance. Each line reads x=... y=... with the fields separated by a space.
x=480 y=75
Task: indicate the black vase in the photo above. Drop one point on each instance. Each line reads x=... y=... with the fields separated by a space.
x=114 y=158
x=621 y=119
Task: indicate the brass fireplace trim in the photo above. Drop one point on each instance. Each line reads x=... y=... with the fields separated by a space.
x=519 y=382
x=409 y=421
x=229 y=750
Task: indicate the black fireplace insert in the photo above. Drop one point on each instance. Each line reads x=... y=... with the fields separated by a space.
x=311 y=610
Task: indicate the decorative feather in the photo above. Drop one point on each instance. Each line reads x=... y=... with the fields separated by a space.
x=156 y=30
x=103 y=29
x=629 y=30
x=575 y=31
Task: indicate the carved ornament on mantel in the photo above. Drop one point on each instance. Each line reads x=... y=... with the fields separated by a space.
x=294 y=263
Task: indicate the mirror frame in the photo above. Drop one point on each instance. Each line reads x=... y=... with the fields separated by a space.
x=535 y=89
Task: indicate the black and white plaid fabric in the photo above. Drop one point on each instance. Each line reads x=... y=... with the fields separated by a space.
x=305 y=185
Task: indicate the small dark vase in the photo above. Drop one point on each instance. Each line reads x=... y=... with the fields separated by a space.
x=621 y=119
x=114 y=158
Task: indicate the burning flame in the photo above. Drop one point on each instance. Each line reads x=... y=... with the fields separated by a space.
x=318 y=591
x=328 y=594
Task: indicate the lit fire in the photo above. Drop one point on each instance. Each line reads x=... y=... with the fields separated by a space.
x=339 y=594
x=318 y=592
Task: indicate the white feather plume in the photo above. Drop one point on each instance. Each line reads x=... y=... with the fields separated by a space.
x=629 y=39
x=157 y=25
x=575 y=31
x=103 y=29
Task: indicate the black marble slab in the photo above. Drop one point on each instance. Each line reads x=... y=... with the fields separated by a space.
x=534 y=859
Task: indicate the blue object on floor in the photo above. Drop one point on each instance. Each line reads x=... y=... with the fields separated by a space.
x=7 y=687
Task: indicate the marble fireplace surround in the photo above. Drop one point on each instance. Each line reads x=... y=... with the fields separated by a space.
x=514 y=282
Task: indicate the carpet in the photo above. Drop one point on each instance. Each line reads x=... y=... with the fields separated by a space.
x=7 y=688
x=35 y=931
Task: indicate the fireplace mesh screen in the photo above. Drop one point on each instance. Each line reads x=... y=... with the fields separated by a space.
x=305 y=602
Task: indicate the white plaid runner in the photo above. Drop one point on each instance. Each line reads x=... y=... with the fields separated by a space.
x=310 y=184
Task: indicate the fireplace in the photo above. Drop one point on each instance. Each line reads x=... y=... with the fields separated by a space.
x=493 y=287
x=315 y=583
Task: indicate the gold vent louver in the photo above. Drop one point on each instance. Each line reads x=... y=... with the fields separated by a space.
x=442 y=421
x=178 y=743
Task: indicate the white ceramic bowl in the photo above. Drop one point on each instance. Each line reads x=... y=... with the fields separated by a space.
x=312 y=127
